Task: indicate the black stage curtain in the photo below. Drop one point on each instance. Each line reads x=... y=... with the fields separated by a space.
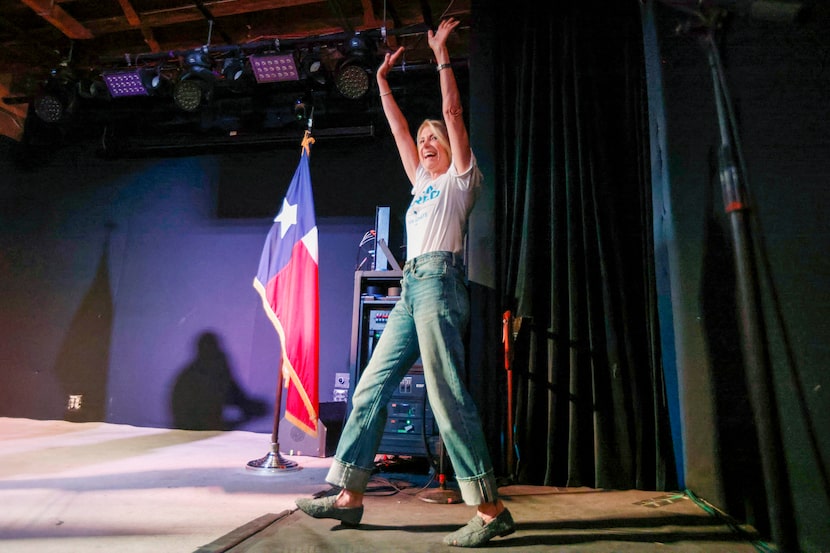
x=573 y=220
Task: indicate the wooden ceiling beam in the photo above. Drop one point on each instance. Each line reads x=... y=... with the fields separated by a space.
x=187 y=14
x=65 y=23
x=10 y=125
x=369 y=19
x=130 y=13
x=134 y=21
x=5 y=92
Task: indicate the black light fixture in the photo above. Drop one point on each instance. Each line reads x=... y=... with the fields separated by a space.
x=49 y=107
x=236 y=73
x=353 y=71
x=303 y=108
x=198 y=63
x=313 y=68
x=155 y=82
x=233 y=68
x=197 y=82
x=56 y=100
x=92 y=89
x=352 y=80
x=188 y=94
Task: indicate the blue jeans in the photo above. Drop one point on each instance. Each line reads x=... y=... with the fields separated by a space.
x=429 y=321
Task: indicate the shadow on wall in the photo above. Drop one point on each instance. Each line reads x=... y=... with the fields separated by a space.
x=82 y=364
x=206 y=396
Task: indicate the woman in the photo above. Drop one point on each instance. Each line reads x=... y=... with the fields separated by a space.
x=429 y=321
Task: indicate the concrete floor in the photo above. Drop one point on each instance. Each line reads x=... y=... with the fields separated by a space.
x=85 y=487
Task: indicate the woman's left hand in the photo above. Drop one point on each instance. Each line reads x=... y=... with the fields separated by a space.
x=438 y=39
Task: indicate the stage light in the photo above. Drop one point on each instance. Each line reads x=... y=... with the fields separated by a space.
x=302 y=109
x=49 y=108
x=56 y=100
x=272 y=68
x=199 y=63
x=92 y=89
x=196 y=83
x=124 y=83
x=155 y=82
x=233 y=69
x=357 y=45
x=352 y=80
x=236 y=74
x=313 y=69
x=188 y=94
x=352 y=75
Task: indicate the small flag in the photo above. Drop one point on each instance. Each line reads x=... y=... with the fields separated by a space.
x=287 y=282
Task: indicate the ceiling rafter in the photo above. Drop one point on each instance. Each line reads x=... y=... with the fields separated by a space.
x=130 y=13
x=369 y=18
x=135 y=21
x=15 y=112
x=190 y=13
x=54 y=14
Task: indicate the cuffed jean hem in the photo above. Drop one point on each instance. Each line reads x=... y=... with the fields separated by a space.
x=350 y=477
x=478 y=490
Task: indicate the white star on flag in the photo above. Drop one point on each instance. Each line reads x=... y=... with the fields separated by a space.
x=286 y=217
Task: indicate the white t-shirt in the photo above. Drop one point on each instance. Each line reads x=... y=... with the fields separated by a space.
x=437 y=216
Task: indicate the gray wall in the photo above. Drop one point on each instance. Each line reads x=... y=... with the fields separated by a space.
x=778 y=82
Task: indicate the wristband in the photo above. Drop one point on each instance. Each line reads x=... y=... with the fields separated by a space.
x=441 y=66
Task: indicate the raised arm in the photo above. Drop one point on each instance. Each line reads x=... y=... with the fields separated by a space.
x=397 y=122
x=451 y=98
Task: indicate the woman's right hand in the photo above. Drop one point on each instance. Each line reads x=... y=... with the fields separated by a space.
x=388 y=62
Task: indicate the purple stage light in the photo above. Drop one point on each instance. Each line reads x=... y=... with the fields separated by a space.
x=125 y=83
x=274 y=68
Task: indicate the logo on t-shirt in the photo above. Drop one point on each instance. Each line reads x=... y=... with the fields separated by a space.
x=429 y=194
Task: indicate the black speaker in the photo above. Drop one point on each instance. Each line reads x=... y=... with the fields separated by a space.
x=293 y=441
x=333 y=415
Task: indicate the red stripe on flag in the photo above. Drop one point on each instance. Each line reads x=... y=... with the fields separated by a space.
x=293 y=296
x=287 y=282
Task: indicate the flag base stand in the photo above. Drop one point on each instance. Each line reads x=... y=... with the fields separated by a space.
x=273 y=463
x=441 y=495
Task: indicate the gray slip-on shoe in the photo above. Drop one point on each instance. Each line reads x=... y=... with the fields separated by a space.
x=476 y=533
x=324 y=508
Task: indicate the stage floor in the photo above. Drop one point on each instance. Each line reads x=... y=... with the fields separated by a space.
x=84 y=487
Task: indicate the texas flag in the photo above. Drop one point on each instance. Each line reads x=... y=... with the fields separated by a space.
x=287 y=282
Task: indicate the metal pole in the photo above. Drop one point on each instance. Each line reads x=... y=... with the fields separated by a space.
x=273 y=462
x=753 y=335
x=507 y=338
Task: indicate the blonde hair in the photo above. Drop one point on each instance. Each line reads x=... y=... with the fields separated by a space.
x=440 y=130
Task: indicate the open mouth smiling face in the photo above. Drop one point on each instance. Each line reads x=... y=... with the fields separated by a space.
x=432 y=154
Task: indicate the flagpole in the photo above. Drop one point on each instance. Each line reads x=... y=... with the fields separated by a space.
x=273 y=462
